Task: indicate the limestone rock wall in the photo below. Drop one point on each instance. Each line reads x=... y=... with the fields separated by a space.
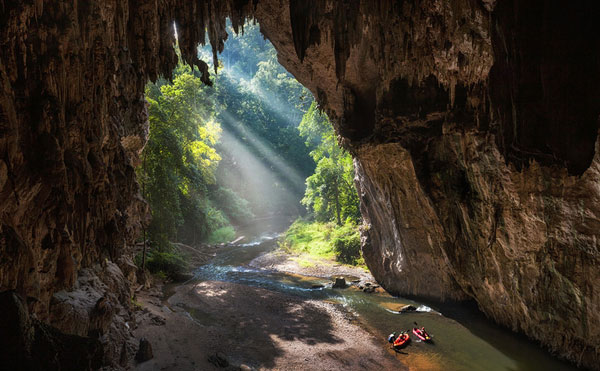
x=73 y=121
x=474 y=130
x=523 y=244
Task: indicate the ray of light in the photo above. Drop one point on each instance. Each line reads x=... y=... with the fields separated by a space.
x=256 y=143
x=280 y=107
x=255 y=179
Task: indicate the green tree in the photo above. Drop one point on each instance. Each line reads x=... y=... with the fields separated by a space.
x=330 y=193
x=180 y=159
x=195 y=169
x=259 y=105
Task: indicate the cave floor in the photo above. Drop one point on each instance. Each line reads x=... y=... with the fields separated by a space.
x=252 y=328
x=254 y=306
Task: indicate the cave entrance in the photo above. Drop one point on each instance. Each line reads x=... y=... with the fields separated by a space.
x=253 y=146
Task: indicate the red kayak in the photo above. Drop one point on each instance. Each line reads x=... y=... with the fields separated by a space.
x=401 y=340
x=421 y=333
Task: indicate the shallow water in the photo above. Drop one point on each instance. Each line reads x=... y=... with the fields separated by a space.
x=463 y=339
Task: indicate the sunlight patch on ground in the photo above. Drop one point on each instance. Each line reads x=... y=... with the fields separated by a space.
x=210 y=293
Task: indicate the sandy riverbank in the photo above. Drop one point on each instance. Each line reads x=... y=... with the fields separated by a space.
x=255 y=328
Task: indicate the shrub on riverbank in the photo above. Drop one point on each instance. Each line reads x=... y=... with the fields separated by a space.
x=325 y=240
x=223 y=234
x=164 y=264
x=346 y=244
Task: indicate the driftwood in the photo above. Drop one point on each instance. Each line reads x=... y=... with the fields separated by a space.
x=237 y=240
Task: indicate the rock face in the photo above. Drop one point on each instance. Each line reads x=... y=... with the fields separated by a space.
x=474 y=129
x=29 y=344
x=473 y=124
x=72 y=123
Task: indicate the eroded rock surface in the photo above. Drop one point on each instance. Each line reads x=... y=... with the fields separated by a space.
x=28 y=344
x=72 y=123
x=474 y=129
x=473 y=124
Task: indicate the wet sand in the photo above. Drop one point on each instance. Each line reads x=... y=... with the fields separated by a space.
x=253 y=328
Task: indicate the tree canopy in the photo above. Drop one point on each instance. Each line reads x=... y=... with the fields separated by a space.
x=217 y=156
x=259 y=107
x=330 y=193
x=180 y=158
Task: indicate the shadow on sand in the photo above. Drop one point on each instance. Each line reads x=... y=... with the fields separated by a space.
x=255 y=323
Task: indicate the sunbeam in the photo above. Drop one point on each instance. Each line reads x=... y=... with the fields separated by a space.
x=254 y=180
x=272 y=101
x=269 y=156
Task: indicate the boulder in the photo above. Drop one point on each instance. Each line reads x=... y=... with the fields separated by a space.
x=369 y=289
x=144 y=352
x=407 y=308
x=340 y=283
x=219 y=360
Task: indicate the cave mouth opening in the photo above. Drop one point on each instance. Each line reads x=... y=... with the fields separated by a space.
x=238 y=135
x=72 y=112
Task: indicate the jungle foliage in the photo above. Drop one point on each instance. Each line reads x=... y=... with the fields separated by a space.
x=330 y=193
x=252 y=146
x=331 y=231
x=325 y=240
x=214 y=154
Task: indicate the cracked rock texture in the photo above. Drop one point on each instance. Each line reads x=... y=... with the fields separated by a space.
x=473 y=124
x=474 y=130
x=72 y=123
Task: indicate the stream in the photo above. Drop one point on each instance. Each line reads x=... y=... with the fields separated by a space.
x=463 y=339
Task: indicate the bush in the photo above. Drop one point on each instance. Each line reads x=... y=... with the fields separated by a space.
x=223 y=234
x=170 y=264
x=235 y=207
x=215 y=218
x=325 y=240
x=311 y=238
x=346 y=244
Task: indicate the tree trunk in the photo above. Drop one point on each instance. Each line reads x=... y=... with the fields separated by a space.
x=336 y=191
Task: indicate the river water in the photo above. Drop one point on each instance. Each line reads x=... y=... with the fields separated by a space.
x=463 y=339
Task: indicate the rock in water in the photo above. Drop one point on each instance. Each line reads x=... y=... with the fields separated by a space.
x=340 y=283
x=407 y=308
x=144 y=352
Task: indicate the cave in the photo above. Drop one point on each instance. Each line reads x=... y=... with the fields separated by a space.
x=472 y=123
